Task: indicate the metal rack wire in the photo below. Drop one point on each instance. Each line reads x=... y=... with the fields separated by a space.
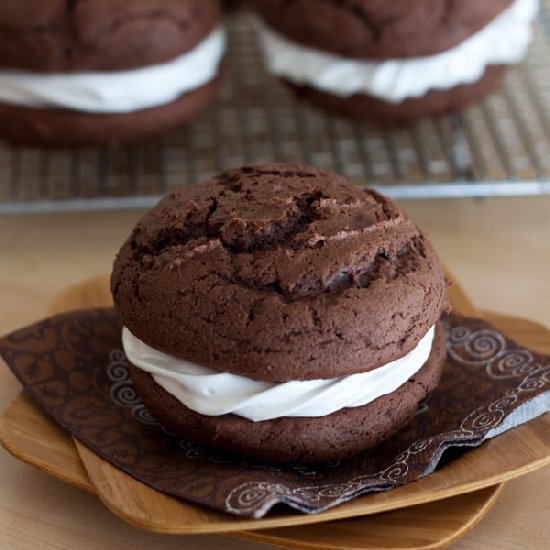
x=498 y=147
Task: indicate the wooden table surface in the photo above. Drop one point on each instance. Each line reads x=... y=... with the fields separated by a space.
x=499 y=249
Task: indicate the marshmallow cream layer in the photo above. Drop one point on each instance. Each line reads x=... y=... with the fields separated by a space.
x=117 y=92
x=213 y=393
x=503 y=41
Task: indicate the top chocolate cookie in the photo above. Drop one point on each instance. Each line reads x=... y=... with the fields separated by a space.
x=380 y=29
x=100 y=35
x=279 y=272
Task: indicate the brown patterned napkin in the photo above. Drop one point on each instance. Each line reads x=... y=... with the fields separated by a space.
x=74 y=368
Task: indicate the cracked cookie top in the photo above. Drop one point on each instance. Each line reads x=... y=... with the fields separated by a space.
x=379 y=29
x=279 y=272
x=100 y=35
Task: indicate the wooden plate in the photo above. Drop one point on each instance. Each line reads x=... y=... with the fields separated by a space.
x=512 y=454
x=35 y=438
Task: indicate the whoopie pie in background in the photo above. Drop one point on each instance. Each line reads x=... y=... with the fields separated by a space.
x=103 y=72
x=394 y=62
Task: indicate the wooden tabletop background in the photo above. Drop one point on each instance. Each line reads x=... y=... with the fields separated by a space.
x=499 y=249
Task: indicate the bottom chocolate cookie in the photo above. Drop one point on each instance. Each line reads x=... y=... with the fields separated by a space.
x=382 y=113
x=70 y=129
x=340 y=435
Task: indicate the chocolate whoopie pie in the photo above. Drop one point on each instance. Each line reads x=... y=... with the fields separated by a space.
x=394 y=62
x=281 y=313
x=105 y=71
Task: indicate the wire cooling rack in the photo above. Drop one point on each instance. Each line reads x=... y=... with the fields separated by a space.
x=498 y=147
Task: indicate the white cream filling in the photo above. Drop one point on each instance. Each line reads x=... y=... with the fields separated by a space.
x=117 y=92
x=503 y=41
x=213 y=393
